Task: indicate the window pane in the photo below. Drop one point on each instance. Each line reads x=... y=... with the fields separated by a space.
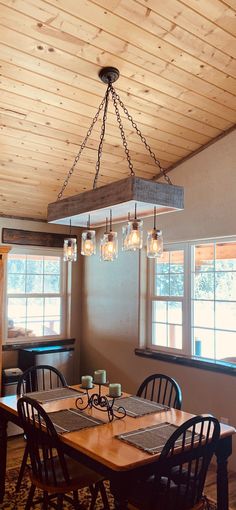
x=51 y=284
x=177 y=261
x=176 y=285
x=16 y=264
x=34 y=316
x=34 y=284
x=204 y=314
x=16 y=308
x=162 y=285
x=34 y=264
x=204 y=257
x=162 y=263
x=51 y=265
x=35 y=307
x=174 y=312
x=34 y=327
x=19 y=329
x=16 y=284
x=174 y=336
x=159 y=334
x=226 y=257
x=225 y=345
x=203 y=342
x=159 y=309
x=16 y=317
x=52 y=306
x=225 y=286
x=226 y=317
x=52 y=326
x=204 y=286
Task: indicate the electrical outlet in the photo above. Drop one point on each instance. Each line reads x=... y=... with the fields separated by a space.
x=224 y=420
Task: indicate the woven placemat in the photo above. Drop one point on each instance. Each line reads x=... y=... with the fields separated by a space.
x=137 y=406
x=69 y=420
x=152 y=439
x=54 y=394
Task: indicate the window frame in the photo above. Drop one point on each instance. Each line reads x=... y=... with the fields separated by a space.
x=187 y=350
x=192 y=244
x=183 y=299
x=41 y=251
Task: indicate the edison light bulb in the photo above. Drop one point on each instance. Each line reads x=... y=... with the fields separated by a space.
x=109 y=246
x=88 y=244
x=154 y=243
x=133 y=235
x=134 y=239
x=70 y=250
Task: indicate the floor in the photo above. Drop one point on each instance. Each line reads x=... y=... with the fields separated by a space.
x=16 y=448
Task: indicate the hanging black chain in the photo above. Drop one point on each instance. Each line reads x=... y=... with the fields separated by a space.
x=81 y=149
x=103 y=129
x=117 y=98
x=104 y=105
x=113 y=93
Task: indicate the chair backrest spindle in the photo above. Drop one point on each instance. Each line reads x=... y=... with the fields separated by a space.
x=162 y=389
x=40 y=377
x=183 y=464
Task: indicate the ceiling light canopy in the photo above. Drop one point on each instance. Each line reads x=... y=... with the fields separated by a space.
x=123 y=196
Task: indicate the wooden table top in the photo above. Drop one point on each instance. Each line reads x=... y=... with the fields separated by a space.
x=99 y=442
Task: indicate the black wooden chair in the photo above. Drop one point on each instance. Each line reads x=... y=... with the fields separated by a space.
x=40 y=378
x=52 y=471
x=178 y=480
x=162 y=389
x=37 y=378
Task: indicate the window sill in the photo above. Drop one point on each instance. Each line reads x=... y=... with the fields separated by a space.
x=24 y=345
x=204 y=364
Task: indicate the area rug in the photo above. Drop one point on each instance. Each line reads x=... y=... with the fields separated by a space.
x=13 y=501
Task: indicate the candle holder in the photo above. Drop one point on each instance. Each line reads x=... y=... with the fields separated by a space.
x=101 y=402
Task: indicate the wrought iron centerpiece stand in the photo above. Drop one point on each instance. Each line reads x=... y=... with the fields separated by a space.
x=101 y=402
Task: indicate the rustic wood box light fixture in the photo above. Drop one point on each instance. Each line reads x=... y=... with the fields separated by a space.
x=120 y=198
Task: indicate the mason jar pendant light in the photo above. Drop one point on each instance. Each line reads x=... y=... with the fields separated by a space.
x=133 y=233
x=70 y=248
x=109 y=243
x=154 y=240
x=88 y=241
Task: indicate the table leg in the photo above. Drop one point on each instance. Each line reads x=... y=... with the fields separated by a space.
x=119 y=485
x=3 y=455
x=223 y=452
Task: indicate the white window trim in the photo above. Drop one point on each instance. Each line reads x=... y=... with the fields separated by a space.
x=43 y=251
x=187 y=349
x=183 y=300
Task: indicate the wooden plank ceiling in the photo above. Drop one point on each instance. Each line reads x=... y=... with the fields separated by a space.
x=177 y=65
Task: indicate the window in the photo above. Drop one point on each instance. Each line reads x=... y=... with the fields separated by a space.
x=192 y=300
x=168 y=297
x=214 y=300
x=35 y=296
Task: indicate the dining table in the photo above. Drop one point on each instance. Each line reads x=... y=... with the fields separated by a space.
x=99 y=447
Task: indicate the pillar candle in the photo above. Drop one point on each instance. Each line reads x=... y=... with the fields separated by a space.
x=100 y=377
x=87 y=382
x=114 y=390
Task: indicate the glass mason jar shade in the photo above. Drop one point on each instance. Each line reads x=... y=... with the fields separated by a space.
x=109 y=246
x=133 y=235
x=154 y=243
x=88 y=243
x=70 y=249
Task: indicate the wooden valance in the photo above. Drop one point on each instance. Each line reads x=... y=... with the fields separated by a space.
x=28 y=237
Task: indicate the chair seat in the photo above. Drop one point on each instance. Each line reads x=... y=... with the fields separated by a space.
x=80 y=476
x=147 y=496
